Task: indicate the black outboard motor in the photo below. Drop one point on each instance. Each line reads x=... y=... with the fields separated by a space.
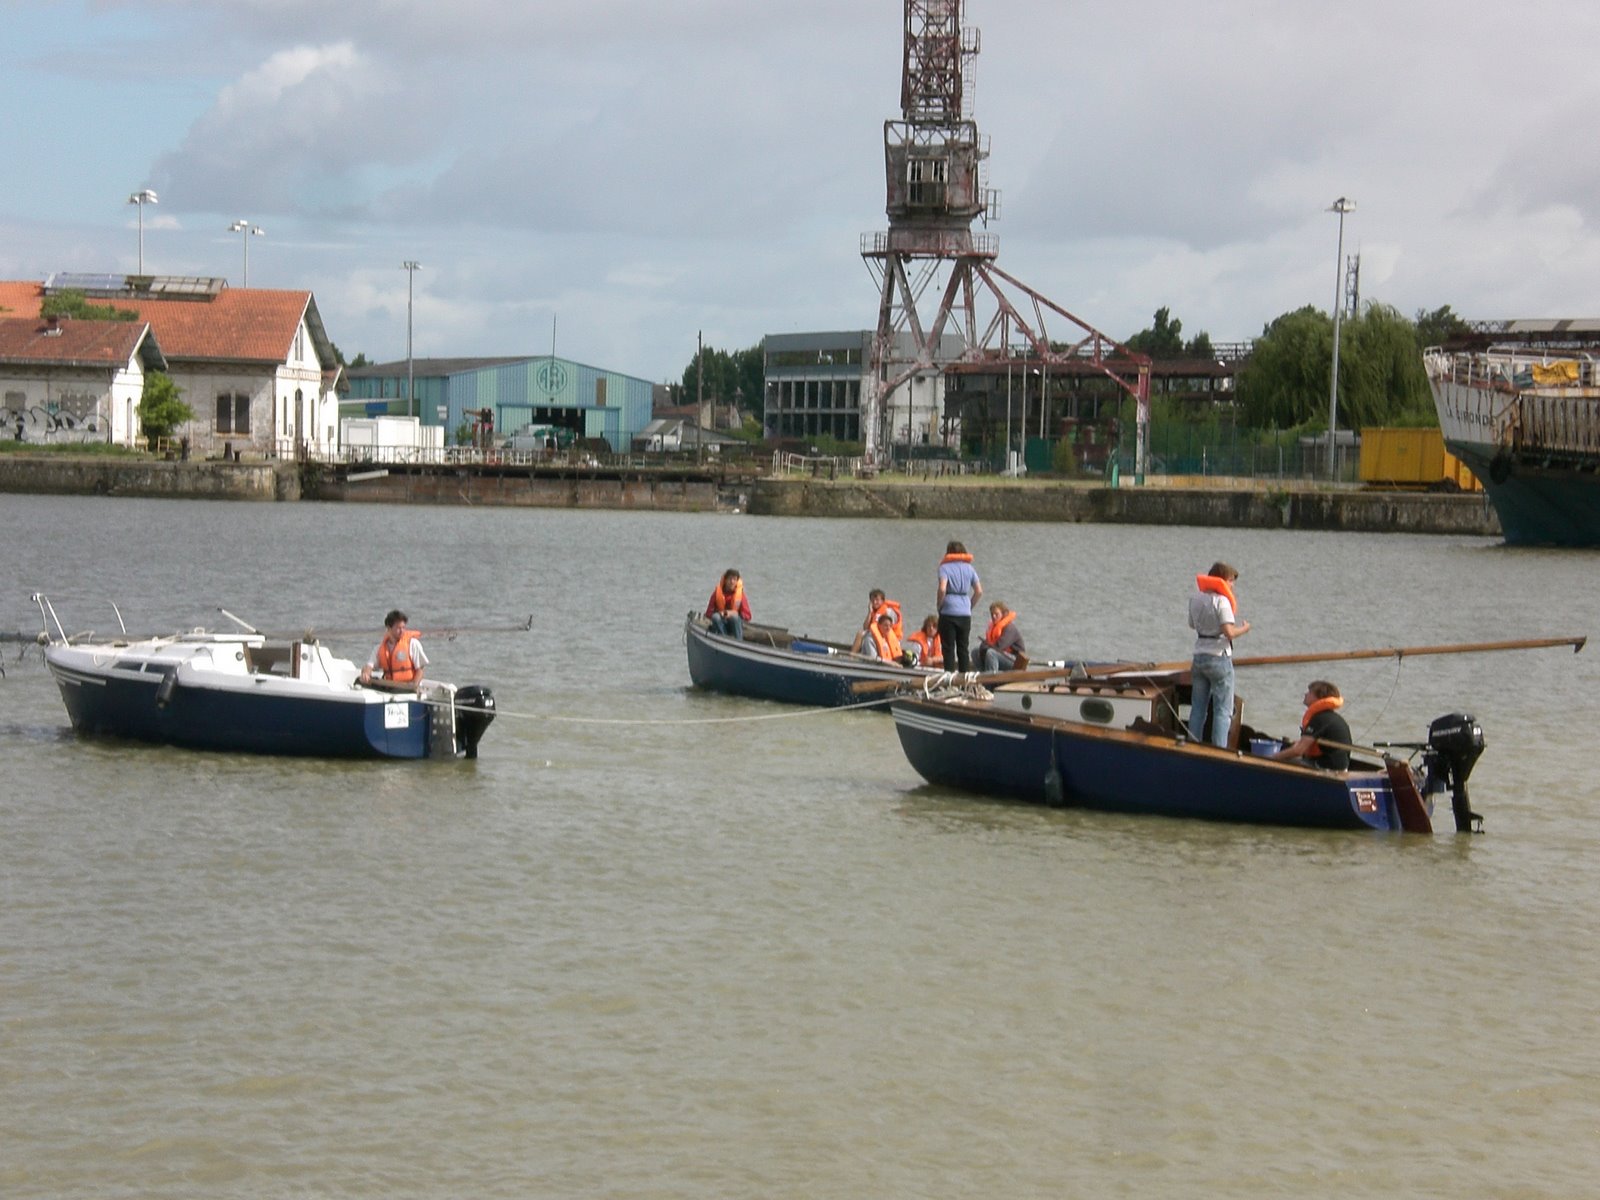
x=474 y=714
x=1454 y=744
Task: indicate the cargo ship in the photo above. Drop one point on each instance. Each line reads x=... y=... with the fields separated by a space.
x=1524 y=415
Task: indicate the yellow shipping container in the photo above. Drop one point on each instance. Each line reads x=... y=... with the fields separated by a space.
x=1411 y=458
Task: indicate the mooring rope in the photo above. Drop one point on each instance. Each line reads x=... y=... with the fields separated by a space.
x=793 y=714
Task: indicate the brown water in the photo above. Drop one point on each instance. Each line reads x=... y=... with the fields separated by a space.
x=655 y=943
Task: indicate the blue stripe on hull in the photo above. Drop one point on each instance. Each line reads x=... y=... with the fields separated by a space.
x=1100 y=770
x=207 y=719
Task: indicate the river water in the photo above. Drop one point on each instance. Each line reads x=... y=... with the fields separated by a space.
x=655 y=943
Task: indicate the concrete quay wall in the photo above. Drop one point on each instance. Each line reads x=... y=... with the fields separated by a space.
x=56 y=475
x=1354 y=511
x=520 y=489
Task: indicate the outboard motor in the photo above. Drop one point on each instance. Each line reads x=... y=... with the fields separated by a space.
x=1454 y=745
x=474 y=714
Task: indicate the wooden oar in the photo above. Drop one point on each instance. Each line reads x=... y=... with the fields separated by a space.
x=1260 y=660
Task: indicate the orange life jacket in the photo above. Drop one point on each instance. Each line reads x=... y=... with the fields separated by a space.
x=955 y=558
x=394 y=660
x=894 y=607
x=932 y=651
x=1319 y=706
x=996 y=628
x=1217 y=587
x=887 y=641
x=725 y=603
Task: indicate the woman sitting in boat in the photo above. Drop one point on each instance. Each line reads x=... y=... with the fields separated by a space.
x=924 y=644
x=729 y=609
x=1320 y=726
x=1003 y=648
x=884 y=644
x=399 y=656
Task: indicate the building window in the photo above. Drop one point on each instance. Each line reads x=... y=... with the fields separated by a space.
x=233 y=413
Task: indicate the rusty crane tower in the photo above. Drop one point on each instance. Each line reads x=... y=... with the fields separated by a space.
x=933 y=159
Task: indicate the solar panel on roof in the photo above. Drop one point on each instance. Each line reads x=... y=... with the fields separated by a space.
x=85 y=282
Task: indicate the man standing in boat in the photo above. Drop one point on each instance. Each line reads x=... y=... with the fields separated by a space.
x=399 y=656
x=1215 y=622
x=1319 y=728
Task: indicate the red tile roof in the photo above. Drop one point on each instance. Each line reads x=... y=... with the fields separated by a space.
x=235 y=325
x=238 y=324
x=20 y=298
x=31 y=341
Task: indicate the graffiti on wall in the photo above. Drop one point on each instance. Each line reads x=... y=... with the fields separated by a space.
x=70 y=417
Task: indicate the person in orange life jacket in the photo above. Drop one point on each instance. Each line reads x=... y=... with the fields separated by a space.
x=728 y=608
x=1215 y=623
x=399 y=656
x=959 y=589
x=924 y=644
x=884 y=642
x=1321 y=722
x=1003 y=643
x=877 y=601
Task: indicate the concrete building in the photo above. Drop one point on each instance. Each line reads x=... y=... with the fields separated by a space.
x=74 y=381
x=816 y=383
x=589 y=401
x=255 y=365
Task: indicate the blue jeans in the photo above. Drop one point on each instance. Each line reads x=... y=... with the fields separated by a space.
x=1212 y=676
x=728 y=624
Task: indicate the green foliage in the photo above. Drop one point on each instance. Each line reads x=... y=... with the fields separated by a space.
x=161 y=407
x=1164 y=339
x=74 y=449
x=72 y=303
x=1439 y=327
x=738 y=377
x=1381 y=380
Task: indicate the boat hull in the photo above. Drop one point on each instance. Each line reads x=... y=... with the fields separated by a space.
x=819 y=678
x=269 y=718
x=977 y=748
x=1538 y=505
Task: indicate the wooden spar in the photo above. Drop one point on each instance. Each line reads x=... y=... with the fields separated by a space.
x=1260 y=660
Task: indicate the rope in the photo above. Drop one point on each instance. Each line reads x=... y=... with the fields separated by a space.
x=777 y=716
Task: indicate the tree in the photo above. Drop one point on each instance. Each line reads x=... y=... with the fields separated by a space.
x=1164 y=338
x=1439 y=327
x=1285 y=382
x=737 y=377
x=161 y=407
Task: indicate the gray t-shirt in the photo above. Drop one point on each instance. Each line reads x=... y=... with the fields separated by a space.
x=1208 y=613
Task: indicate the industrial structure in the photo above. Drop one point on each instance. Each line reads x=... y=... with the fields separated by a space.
x=934 y=157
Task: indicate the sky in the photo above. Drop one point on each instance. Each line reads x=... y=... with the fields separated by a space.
x=620 y=177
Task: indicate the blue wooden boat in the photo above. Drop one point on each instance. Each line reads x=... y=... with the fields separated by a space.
x=770 y=663
x=247 y=692
x=1116 y=745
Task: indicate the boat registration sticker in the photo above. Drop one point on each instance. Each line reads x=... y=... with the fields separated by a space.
x=397 y=715
x=1366 y=800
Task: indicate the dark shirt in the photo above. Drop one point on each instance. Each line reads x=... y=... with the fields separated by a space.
x=1330 y=725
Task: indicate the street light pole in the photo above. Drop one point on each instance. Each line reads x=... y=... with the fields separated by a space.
x=141 y=198
x=411 y=269
x=247 y=231
x=1340 y=206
